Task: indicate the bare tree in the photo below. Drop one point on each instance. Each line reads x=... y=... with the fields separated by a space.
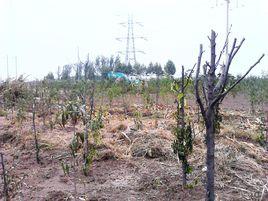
x=37 y=148
x=213 y=92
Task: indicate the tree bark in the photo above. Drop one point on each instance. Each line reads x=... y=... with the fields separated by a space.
x=184 y=174
x=210 y=157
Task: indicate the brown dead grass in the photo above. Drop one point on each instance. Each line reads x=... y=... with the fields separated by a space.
x=139 y=164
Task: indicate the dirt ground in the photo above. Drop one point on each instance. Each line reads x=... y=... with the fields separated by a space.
x=136 y=164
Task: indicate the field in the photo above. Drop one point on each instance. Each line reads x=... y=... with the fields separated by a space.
x=136 y=162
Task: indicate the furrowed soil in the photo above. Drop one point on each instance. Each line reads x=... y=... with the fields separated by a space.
x=136 y=164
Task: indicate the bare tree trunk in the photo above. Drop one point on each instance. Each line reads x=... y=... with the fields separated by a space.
x=184 y=174
x=37 y=149
x=6 y=196
x=210 y=158
x=182 y=123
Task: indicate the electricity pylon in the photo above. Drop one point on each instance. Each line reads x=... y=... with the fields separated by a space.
x=130 y=51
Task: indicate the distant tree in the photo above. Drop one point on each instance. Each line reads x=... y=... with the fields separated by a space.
x=155 y=69
x=97 y=61
x=158 y=69
x=117 y=61
x=106 y=65
x=139 y=69
x=59 y=73
x=78 y=71
x=89 y=70
x=123 y=68
x=66 y=72
x=170 y=68
x=112 y=62
x=49 y=76
x=150 y=68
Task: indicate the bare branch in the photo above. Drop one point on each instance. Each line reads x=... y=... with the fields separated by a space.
x=212 y=53
x=222 y=95
x=189 y=76
x=208 y=65
x=205 y=69
x=197 y=95
x=204 y=87
x=205 y=82
x=223 y=49
x=232 y=54
x=224 y=76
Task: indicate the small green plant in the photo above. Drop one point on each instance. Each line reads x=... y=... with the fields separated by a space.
x=183 y=143
x=89 y=159
x=66 y=168
x=95 y=125
x=3 y=113
x=260 y=138
x=138 y=119
x=146 y=95
x=113 y=92
x=75 y=145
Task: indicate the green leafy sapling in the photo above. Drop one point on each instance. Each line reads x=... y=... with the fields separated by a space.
x=183 y=143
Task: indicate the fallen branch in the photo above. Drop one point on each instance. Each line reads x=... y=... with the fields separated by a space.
x=265 y=188
x=125 y=135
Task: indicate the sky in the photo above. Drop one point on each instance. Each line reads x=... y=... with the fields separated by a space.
x=45 y=34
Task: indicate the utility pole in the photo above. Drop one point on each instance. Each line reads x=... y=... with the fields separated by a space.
x=227 y=29
x=78 y=56
x=16 y=66
x=7 y=69
x=78 y=64
x=130 y=51
x=228 y=2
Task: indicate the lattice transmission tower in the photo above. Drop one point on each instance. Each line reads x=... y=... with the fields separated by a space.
x=130 y=38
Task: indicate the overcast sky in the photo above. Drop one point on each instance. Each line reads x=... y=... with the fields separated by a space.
x=45 y=34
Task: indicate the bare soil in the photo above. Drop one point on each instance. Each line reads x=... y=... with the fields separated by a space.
x=136 y=164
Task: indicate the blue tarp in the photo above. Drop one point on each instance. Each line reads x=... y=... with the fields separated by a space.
x=117 y=75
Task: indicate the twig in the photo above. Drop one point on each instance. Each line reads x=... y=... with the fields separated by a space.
x=125 y=135
x=265 y=187
x=198 y=99
x=241 y=189
x=222 y=95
